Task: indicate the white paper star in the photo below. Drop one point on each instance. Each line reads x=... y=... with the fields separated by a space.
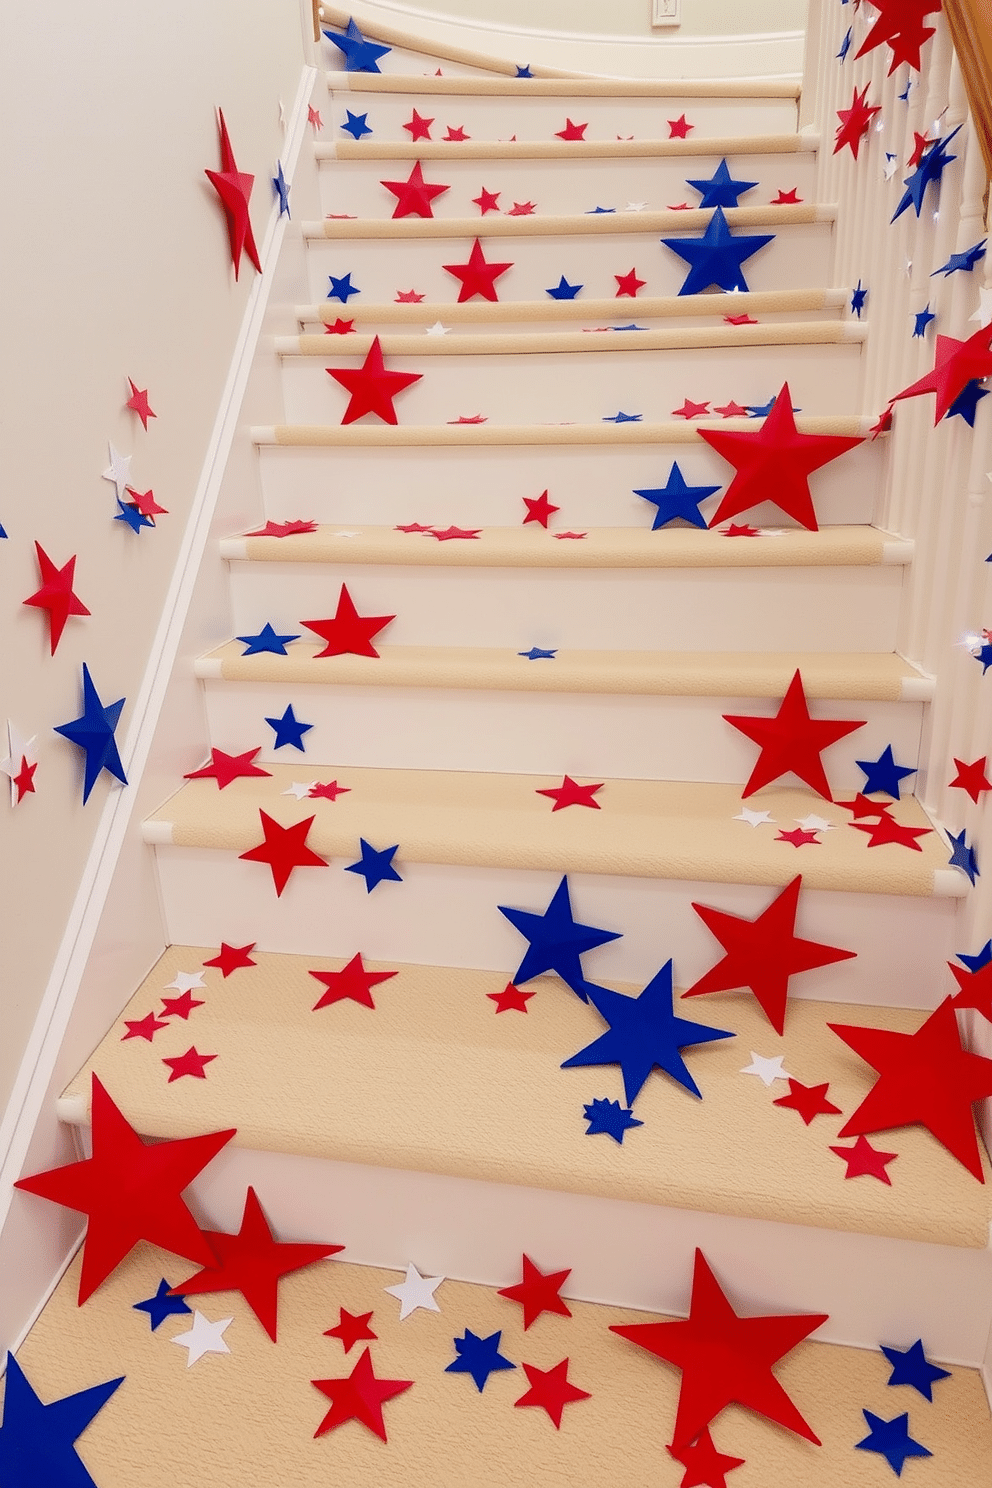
x=635 y=206
x=416 y=1291
x=346 y=534
x=815 y=823
x=18 y=749
x=204 y=1337
x=755 y=818
x=984 y=312
x=767 y=1070
x=891 y=166
x=186 y=981
x=118 y=471
x=437 y=329
x=299 y=790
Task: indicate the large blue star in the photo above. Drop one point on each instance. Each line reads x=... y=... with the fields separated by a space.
x=922 y=319
x=341 y=289
x=609 y=1118
x=932 y=164
x=721 y=190
x=557 y=942
x=963 y=856
x=676 y=500
x=93 y=733
x=912 y=1367
x=716 y=257
x=975 y=963
x=882 y=776
x=359 y=55
x=132 y=516
x=161 y=1305
x=644 y=1033
x=356 y=125
x=375 y=864
x=289 y=730
x=961 y=262
x=37 y=1441
x=479 y=1357
x=563 y=290
x=282 y=189
x=266 y=640
x=891 y=1440
x=967 y=401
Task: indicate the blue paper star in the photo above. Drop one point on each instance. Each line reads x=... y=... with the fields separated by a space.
x=479 y=1357
x=37 y=1441
x=975 y=963
x=922 y=319
x=963 y=856
x=912 y=1367
x=630 y=327
x=557 y=941
x=858 y=297
x=563 y=290
x=762 y=410
x=716 y=257
x=967 y=401
x=609 y=1117
x=375 y=865
x=524 y=71
x=644 y=1033
x=599 y=211
x=341 y=289
x=289 y=730
x=132 y=516
x=677 y=501
x=963 y=262
x=984 y=654
x=536 y=654
x=882 y=776
x=282 y=190
x=359 y=55
x=266 y=640
x=845 y=46
x=623 y=418
x=356 y=125
x=721 y=190
x=3 y=530
x=891 y=1440
x=93 y=733
x=904 y=95
x=932 y=164
x=161 y=1305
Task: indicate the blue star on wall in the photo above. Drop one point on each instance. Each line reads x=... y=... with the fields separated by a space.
x=341 y=289
x=563 y=290
x=375 y=865
x=93 y=733
x=933 y=163
x=716 y=257
x=479 y=1357
x=891 y=1440
x=922 y=319
x=967 y=401
x=132 y=516
x=282 y=190
x=677 y=501
x=600 y=211
x=608 y=1117
x=37 y=1442
x=161 y=1305
x=912 y=1367
x=962 y=262
x=537 y=654
x=266 y=640
x=962 y=856
x=721 y=190
x=845 y=46
x=882 y=776
x=356 y=125
x=975 y=963
x=524 y=71
x=984 y=653
x=289 y=730
x=623 y=418
x=359 y=55
x=557 y=941
x=858 y=297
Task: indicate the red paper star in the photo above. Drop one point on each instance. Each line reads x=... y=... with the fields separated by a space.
x=762 y=954
x=55 y=594
x=924 y=1077
x=900 y=23
x=456 y=135
x=227 y=767
x=863 y=1159
x=346 y=632
x=690 y=410
x=414 y=527
x=861 y=806
x=921 y=142
x=551 y=1390
x=571 y=131
x=792 y=740
x=476 y=418
x=956 y=363
x=975 y=988
x=450 y=534
x=787 y=198
x=724 y=1359
x=741 y=529
x=799 y=838
x=180 y=1007
x=414 y=195
x=190 y=1063
x=232 y=958
x=143 y=1028
x=313 y=117
x=138 y=403
x=283 y=529
x=418 y=128
x=705 y=1467
x=23 y=781
x=731 y=410
x=887 y=830
x=678 y=207
x=477 y=276
x=129 y=1192
x=339 y=327
x=522 y=209
x=372 y=388
x=408 y=297
x=774 y=463
x=487 y=201
x=234 y=189
x=564 y=536
x=327 y=791
x=284 y=848
x=359 y=1397
x=678 y=128
x=352 y=1329
x=511 y=999
x=538 y=1291
x=971 y=778
x=146 y=503
x=628 y=285
x=570 y=793
x=808 y=1100
x=854 y=122
x=251 y=1263
x=539 y=509
x=882 y=424
x=352 y=983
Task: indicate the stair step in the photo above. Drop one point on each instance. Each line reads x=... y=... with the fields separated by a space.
x=557 y=150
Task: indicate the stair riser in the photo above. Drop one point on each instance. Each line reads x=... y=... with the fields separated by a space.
x=382 y=267
x=592 y=485
x=446 y=915
x=638 y=738
x=563 y=387
x=818 y=609
x=385 y=325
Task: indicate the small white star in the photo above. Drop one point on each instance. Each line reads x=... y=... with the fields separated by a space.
x=204 y=1337
x=755 y=818
x=299 y=790
x=416 y=1291
x=346 y=534
x=635 y=206
x=909 y=267
x=767 y=1070
x=983 y=314
x=815 y=823
x=772 y=531
x=118 y=471
x=186 y=981
x=891 y=166
x=437 y=329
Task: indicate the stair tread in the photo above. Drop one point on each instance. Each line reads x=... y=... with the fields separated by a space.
x=472 y=435
x=679 y=223
x=521 y=343
x=550 y=84
x=427 y=312
x=434 y=1079
x=556 y=149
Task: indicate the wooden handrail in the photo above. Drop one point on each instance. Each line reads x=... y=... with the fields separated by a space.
x=970 y=25
x=315 y=6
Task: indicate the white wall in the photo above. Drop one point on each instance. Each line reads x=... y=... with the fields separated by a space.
x=619 y=17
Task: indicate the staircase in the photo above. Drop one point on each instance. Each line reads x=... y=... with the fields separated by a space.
x=422 y=1115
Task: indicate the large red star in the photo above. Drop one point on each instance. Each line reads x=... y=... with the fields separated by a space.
x=538 y=1291
x=511 y=999
x=900 y=23
x=628 y=285
x=55 y=594
x=347 y=633
x=129 y=1192
x=774 y=463
x=284 y=848
x=251 y=1263
x=921 y=142
x=418 y=128
x=572 y=131
x=974 y=988
x=551 y=1389
x=971 y=778
x=352 y=1328
x=570 y=793
x=477 y=276
x=955 y=364
x=854 y=122
x=539 y=509
x=23 y=781
x=705 y=1467
x=138 y=403
x=862 y=806
x=763 y=954
x=724 y=1359
x=487 y=201
x=227 y=767
x=808 y=1100
x=372 y=388
x=234 y=189
x=414 y=195
x=792 y=740
x=352 y=983
x=887 y=830
x=863 y=1159
x=359 y=1397
x=190 y=1063
x=232 y=958
x=924 y=1078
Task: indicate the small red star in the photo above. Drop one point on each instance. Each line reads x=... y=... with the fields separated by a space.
x=339 y=327
x=522 y=209
x=808 y=1100
x=539 y=509
x=564 y=536
x=882 y=424
x=678 y=128
x=487 y=201
x=371 y=387
x=449 y=534
x=146 y=503
x=799 y=838
x=283 y=849
x=971 y=778
x=739 y=320
x=861 y=806
x=476 y=418
x=921 y=142
x=283 y=529
x=408 y=297
x=705 y=1467
x=352 y=1329
x=551 y=1390
x=678 y=207
x=341 y=217
x=511 y=999
x=791 y=741
x=538 y=1291
x=628 y=285
x=313 y=117
x=455 y=135
x=234 y=189
x=346 y=632
x=23 y=781
x=690 y=410
x=327 y=791
x=731 y=410
x=477 y=276
x=418 y=128
x=227 y=767
x=359 y=1397
x=414 y=195
x=351 y=984
x=887 y=830
x=190 y=1063
x=143 y=1028
x=138 y=403
x=569 y=793
x=787 y=198
x=232 y=958
x=855 y=122
x=180 y=1007
x=975 y=988
x=740 y=529
x=55 y=595
x=571 y=131
x=864 y=1158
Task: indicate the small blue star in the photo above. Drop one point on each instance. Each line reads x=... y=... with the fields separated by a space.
x=37 y=1441
x=891 y=1440
x=557 y=942
x=912 y=1367
x=356 y=125
x=563 y=290
x=600 y=211
x=922 y=319
x=623 y=418
x=375 y=865
x=904 y=95
x=359 y=55
x=524 y=71
x=858 y=297
x=966 y=402
x=266 y=640
x=963 y=262
x=93 y=733
x=717 y=256
x=630 y=327
x=882 y=776
x=479 y=1357
x=721 y=190
x=609 y=1117
x=963 y=856
x=536 y=654
x=3 y=530
x=984 y=654
x=289 y=730
x=132 y=516
x=161 y=1305
x=845 y=46
x=341 y=289
x=933 y=162
x=762 y=410
x=282 y=190
x=975 y=963
x=675 y=501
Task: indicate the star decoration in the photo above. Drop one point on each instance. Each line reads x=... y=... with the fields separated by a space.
x=185 y=981
x=572 y=131
x=227 y=767
x=285 y=529
x=146 y=504
x=677 y=501
x=570 y=793
x=808 y=1100
x=143 y=1028
x=609 y=1118
x=479 y=1357
x=721 y=190
x=356 y=125
x=93 y=733
x=551 y=1389
x=858 y=298
x=959 y=263
x=963 y=856
x=956 y=364
x=313 y=118
x=976 y=962
x=556 y=941
x=765 y=1069
x=864 y=1159
x=984 y=653
x=537 y=654
x=118 y=472
x=138 y=403
x=704 y=1464
x=524 y=71
x=742 y=529
x=563 y=290
x=283 y=849
x=538 y=1292
x=717 y=256
x=55 y=595
x=418 y=128
x=132 y=516
x=731 y=409
x=522 y=209
x=539 y=509
x=234 y=189
x=921 y=320
x=791 y=741
x=22 y=784
x=882 y=776
x=451 y=534
x=975 y=989
x=341 y=289
x=37 y=1442
x=359 y=55
x=966 y=402
x=375 y=865
x=414 y=195
x=347 y=633
x=787 y=198
x=180 y=1007
x=477 y=276
x=371 y=388
x=861 y=806
x=408 y=297
x=352 y=983
x=352 y=1328
x=912 y=1367
x=724 y=1359
x=623 y=418
x=855 y=122
x=678 y=128
x=983 y=314
x=232 y=958
x=845 y=46
x=455 y=135
x=890 y=166
x=487 y=201
x=901 y=24
x=297 y=790
x=266 y=640
x=511 y=999
x=739 y=320
x=930 y=165
x=891 y=1440
x=762 y=954
x=814 y=823
x=565 y=536
x=190 y=1063
x=415 y=1291
x=628 y=285
x=204 y=1337
x=690 y=410
x=19 y=765
x=359 y=1397
x=289 y=730
x=162 y=1305
x=281 y=189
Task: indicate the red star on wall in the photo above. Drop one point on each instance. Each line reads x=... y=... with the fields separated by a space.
x=146 y=503
x=23 y=781
x=787 y=198
x=538 y=1291
x=313 y=117
x=570 y=793
x=346 y=632
x=455 y=135
x=359 y=1397
x=739 y=320
x=418 y=128
x=511 y=999
x=487 y=201
x=339 y=327
x=284 y=848
x=921 y=142
x=971 y=778
x=522 y=209
x=55 y=595
x=227 y=767
x=232 y=958
x=450 y=534
x=791 y=741
x=956 y=363
x=808 y=1100
x=690 y=410
x=628 y=285
x=372 y=388
x=138 y=403
x=572 y=131
x=539 y=509
x=975 y=988
x=352 y=983
x=551 y=1389
x=352 y=1328
x=234 y=189
x=414 y=195
x=678 y=128
x=408 y=297
x=190 y=1063
x=731 y=410
x=900 y=23
x=477 y=276
x=865 y=1160
x=854 y=122
x=285 y=529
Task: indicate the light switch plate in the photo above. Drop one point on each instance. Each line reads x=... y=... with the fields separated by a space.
x=666 y=12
